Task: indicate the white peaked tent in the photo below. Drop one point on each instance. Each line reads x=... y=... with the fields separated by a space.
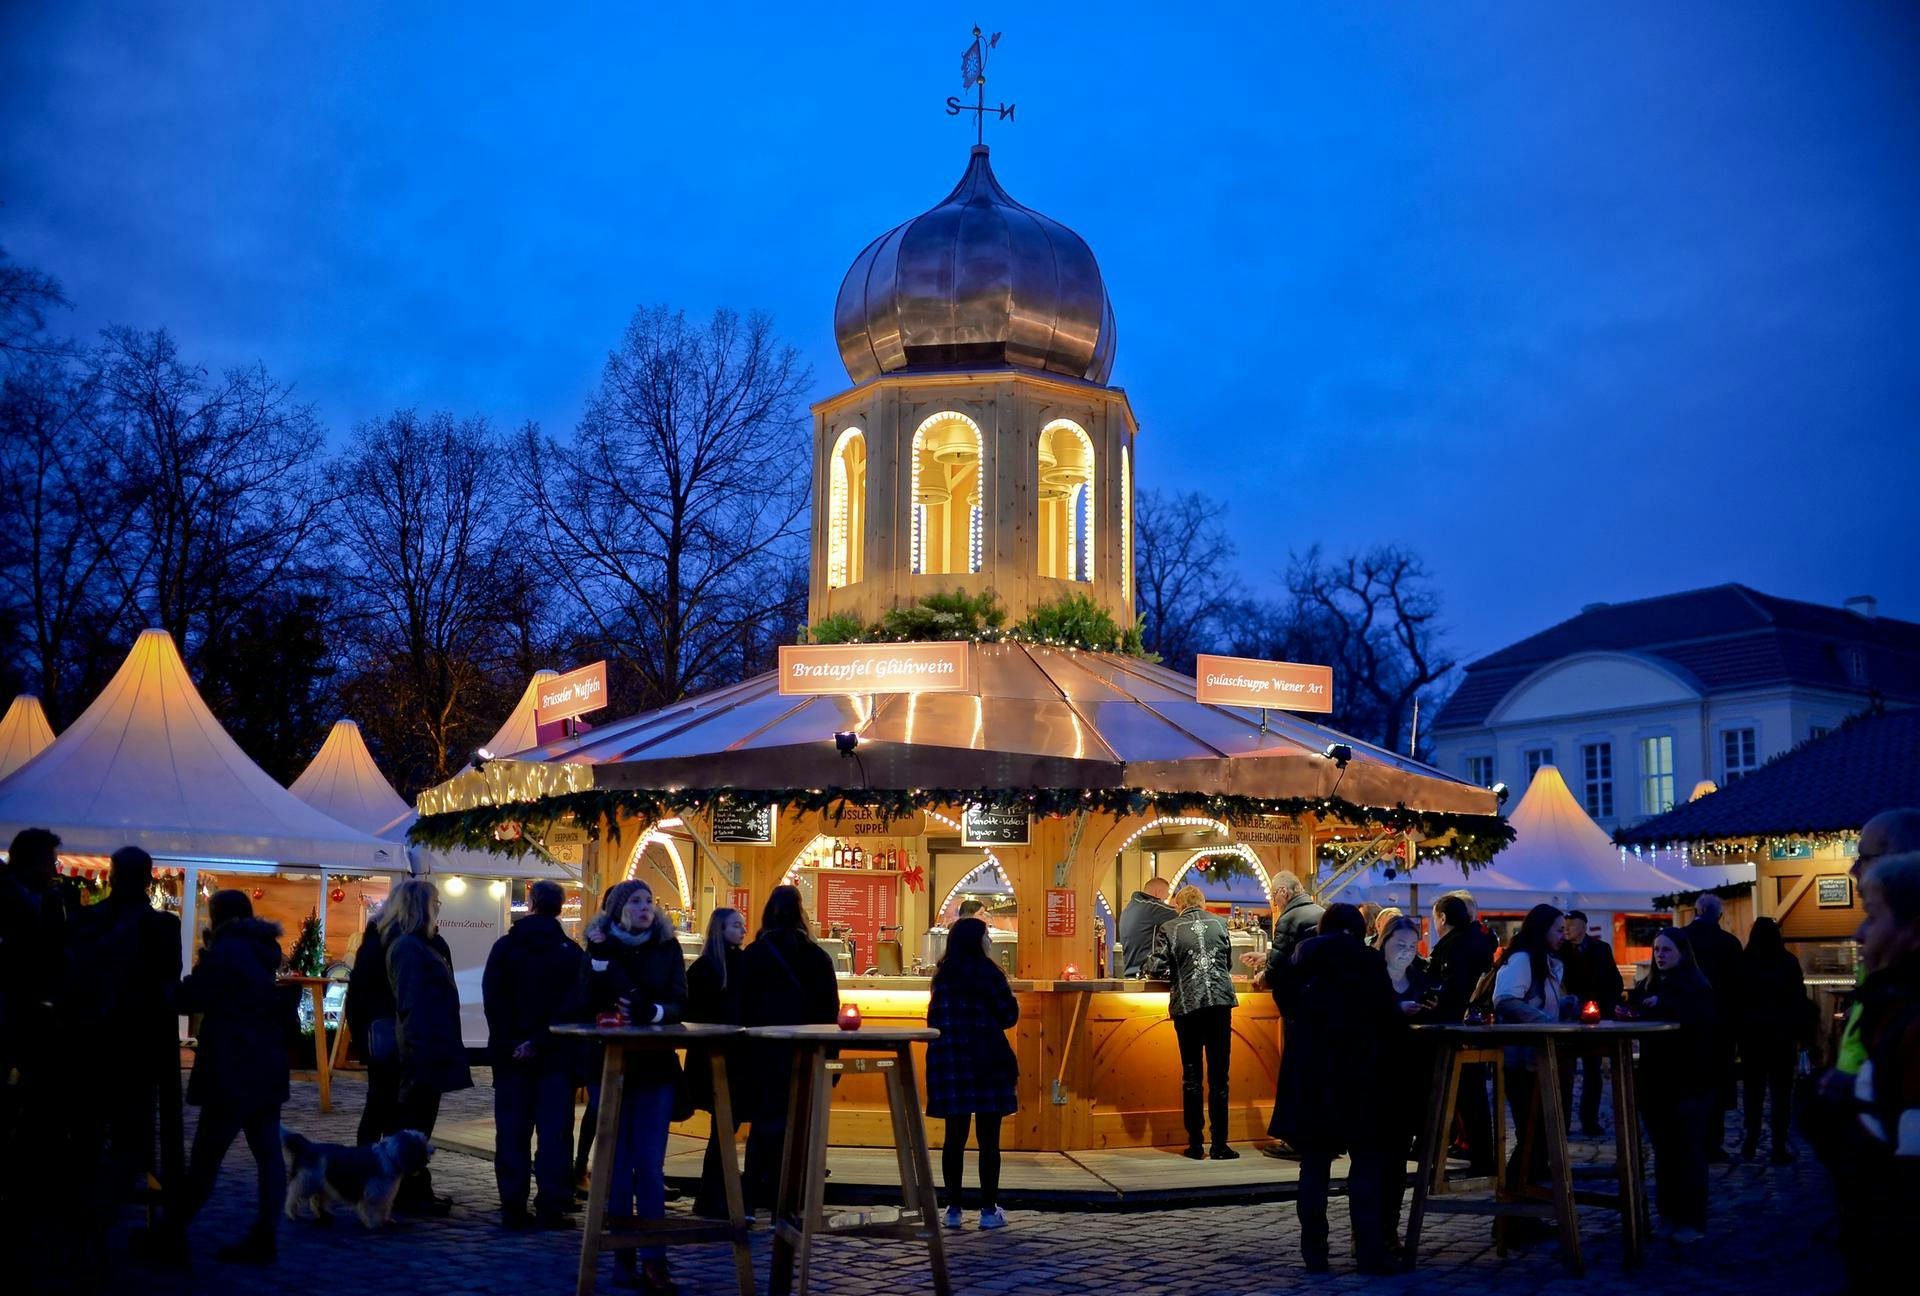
x=1559 y=856
x=343 y=782
x=517 y=734
x=24 y=733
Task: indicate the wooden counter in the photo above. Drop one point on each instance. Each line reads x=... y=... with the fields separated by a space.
x=1099 y=1065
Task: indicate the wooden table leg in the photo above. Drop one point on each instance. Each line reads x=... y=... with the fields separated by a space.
x=1432 y=1145
x=319 y=995
x=788 y=1194
x=1626 y=1153
x=1559 y=1157
x=606 y=1132
x=813 y=1202
x=905 y=1101
x=726 y=1135
x=339 y=1040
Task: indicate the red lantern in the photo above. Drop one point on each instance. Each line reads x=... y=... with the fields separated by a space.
x=257 y=893
x=337 y=894
x=1590 y=1012
x=850 y=1017
x=1071 y=972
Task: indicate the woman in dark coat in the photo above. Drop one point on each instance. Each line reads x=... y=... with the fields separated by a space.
x=433 y=1052
x=1340 y=1011
x=239 y=1077
x=1407 y=1064
x=786 y=980
x=972 y=1074
x=1678 y=1076
x=714 y=986
x=634 y=967
x=1778 y=1023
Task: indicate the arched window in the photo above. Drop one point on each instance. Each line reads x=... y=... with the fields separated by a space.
x=946 y=495
x=1065 y=522
x=846 y=508
x=1126 y=525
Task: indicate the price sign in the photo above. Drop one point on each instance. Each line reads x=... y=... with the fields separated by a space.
x=736 y=824
x=1063 y=912
x=980 y=826
x=742 y=899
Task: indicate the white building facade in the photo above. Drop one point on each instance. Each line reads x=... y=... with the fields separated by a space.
x=1719 y=682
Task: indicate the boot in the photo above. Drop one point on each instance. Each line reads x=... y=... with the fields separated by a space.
x=626 y=1269
x=1194 y=1151
x=654 y=1278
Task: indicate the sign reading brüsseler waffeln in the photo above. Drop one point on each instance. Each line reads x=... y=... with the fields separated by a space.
x=876 y=668
x=1278 y=686
x=980 y=826
x=575 y=693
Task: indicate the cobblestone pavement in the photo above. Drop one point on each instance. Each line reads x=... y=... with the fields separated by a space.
x=1771 y=1229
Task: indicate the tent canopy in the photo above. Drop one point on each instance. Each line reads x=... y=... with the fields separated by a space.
x=148 y=765
x=1559 y=856
x=519 y=732
x=343 y=782
x=24 y=733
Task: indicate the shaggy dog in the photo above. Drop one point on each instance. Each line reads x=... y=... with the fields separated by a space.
x=324 y=1175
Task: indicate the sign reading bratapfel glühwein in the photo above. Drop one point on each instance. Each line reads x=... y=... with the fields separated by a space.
x=1248 y=681
x=876 y=668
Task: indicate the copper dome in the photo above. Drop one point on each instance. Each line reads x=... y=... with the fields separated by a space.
x=978 y=280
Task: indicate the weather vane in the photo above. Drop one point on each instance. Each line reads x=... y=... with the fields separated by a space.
x=973 y=73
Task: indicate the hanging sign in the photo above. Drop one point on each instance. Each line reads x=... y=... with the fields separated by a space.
x=737 y=824
x=1063 y=912
x=575 y=693
x=876 y=668
x=567 y=843
x=980 y=826
x=1277 y=686
x=1833 y=892
x=1267 y=830
x=868 y=821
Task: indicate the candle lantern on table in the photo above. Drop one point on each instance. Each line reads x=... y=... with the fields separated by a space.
x=850 y=1017
x=1590 y=1012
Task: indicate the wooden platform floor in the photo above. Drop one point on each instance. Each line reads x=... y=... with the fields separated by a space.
x=1113 y=1178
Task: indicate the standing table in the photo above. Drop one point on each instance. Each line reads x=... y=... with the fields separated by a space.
x=316 y=988
x=799 y=1214
x=1613 y=1039
x=599 y=1233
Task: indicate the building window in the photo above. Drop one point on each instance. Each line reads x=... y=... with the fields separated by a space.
x=946 y=495
x=1536 y=757
x=1480 y=771
x=846 y=508
x=1656 y=775
x=1126 y=527
x=1596 y=779
x=1856 y=662
x=1738 y=756
x=1065 y=520
x=1818 y=731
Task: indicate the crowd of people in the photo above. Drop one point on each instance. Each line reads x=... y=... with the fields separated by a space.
x=91 y=996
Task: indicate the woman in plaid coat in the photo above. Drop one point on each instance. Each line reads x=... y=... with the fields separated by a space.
x=972 y=1075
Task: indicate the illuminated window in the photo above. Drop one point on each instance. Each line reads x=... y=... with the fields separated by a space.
x=946 y=495
x=1065 y=522
x=1656 y=775
x=846 y=508
x=1126 y=526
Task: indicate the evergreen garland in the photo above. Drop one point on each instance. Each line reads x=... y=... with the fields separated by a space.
x=1071 y=621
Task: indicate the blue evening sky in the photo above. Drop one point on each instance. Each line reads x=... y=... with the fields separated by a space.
x=1581 y=301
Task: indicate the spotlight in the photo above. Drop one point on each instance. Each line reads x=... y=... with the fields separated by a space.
x=845 y=741
x=1339 y=753
x=1500 y=793
x=480 y=757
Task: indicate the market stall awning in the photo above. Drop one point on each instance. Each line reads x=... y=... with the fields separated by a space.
x=24 y=733
x=148 y=765
x=1035 y=718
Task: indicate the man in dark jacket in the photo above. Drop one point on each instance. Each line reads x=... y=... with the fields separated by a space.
x=1145 y=911
x=1591 y=976
x=1296 y=919
x=34 y=909
x=1461 y=957
x=1192 y=953
x=533 y=980
x=1720 y=956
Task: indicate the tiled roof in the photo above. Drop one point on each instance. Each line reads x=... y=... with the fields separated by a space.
x=1831 y=784
x=1727 y=637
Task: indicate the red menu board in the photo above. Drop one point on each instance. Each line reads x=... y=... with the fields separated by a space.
x=1063 y=913
x=862 y=903
x=740 y=898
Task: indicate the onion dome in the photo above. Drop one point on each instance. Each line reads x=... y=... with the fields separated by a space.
x=979 y=280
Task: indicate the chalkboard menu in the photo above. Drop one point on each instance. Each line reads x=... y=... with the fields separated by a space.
x=742 y=825
x=980 y=826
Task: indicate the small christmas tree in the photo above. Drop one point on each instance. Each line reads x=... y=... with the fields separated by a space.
x=308 y=958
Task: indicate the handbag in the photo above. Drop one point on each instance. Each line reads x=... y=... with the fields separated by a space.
x=383 y=1040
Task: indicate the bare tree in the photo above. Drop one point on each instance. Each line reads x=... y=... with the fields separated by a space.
x=1183 y=567
x=27 y=298
x=212 y=497
x=671 y=513
x=425 y=555
x=1372 y=616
